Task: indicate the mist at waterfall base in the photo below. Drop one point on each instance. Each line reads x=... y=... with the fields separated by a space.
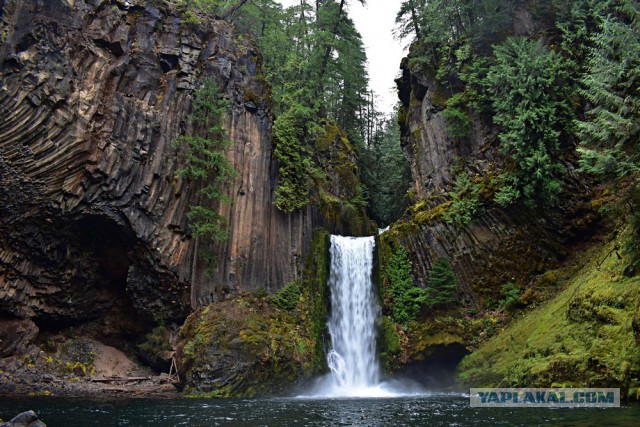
x=352 y=358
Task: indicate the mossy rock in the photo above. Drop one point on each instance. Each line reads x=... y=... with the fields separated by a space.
x=257 y=345
x=340 y=194
x=584 y=337
x=242 y=348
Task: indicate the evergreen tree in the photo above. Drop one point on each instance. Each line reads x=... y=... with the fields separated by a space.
x=408 y=19
x=314 y=62
x=609 y=134
x=531 y=93
x=387 y=173
x=205 y=162
x=405 y=298
x=442 y=284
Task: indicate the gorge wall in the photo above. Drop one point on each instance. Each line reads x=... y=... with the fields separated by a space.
x=515 y=247
x=91 y=212
x=499 y=245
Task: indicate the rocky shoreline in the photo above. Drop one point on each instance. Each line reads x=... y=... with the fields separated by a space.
x=81 y=367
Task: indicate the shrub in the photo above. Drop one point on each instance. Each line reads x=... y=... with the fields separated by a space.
x=466 y=203
x=287 y=298
x=458 y=122
x=511 y=296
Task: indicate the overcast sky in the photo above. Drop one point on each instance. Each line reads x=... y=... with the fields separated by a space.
x=375 y=22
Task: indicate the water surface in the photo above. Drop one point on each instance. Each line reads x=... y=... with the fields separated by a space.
x=428 y=410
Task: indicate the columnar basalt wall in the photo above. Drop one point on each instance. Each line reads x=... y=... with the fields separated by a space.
x=92 y=95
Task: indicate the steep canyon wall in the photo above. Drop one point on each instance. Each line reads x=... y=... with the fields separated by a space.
x=92 y=95
x=499 y=245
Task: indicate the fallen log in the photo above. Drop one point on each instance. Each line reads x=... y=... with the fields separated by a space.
x=115 y=379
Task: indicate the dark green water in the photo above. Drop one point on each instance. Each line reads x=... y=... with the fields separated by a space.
x=433 y=410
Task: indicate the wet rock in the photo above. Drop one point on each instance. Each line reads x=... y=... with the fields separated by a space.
x=24 y=419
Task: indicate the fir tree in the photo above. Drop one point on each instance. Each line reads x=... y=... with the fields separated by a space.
x=609 y=134
x=442 y=284
x=531 y=92
x=205 y=162
x=406 y=298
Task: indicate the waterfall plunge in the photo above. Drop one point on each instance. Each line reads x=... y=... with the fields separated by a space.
x=352 y=359
x=354 y=310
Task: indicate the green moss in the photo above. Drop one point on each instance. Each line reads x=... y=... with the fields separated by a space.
x=403 y=116
x=339 y=192
x=583 y=337
x=315 y=296
x=261 y=98
x=423 y=215
x=243 y=348
x=189 y=17
x=438 y=97
x=391 y=342
x=254 y=345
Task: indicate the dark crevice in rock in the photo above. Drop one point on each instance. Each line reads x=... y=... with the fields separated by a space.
x=113 y=47
x=438 y=368
x=168 y=62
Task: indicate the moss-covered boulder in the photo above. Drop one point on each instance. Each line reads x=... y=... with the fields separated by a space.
x=259 y=345
x=243 y=347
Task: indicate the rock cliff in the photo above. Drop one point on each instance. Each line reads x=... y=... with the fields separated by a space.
x=500 y=244
x=516 y=245
x=92 y=215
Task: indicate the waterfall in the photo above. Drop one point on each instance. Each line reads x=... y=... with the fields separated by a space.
x=352 y=359
x=354 y=310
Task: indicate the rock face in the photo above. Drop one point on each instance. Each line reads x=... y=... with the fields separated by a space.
x=16 y=335
x=500 y=245
x=91 y=212
x=431 y=151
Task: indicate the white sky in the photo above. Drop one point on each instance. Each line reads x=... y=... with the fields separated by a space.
x=375 y=22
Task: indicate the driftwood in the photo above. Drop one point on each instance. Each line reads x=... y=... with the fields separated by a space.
x=123 y=379
x=173 y=369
